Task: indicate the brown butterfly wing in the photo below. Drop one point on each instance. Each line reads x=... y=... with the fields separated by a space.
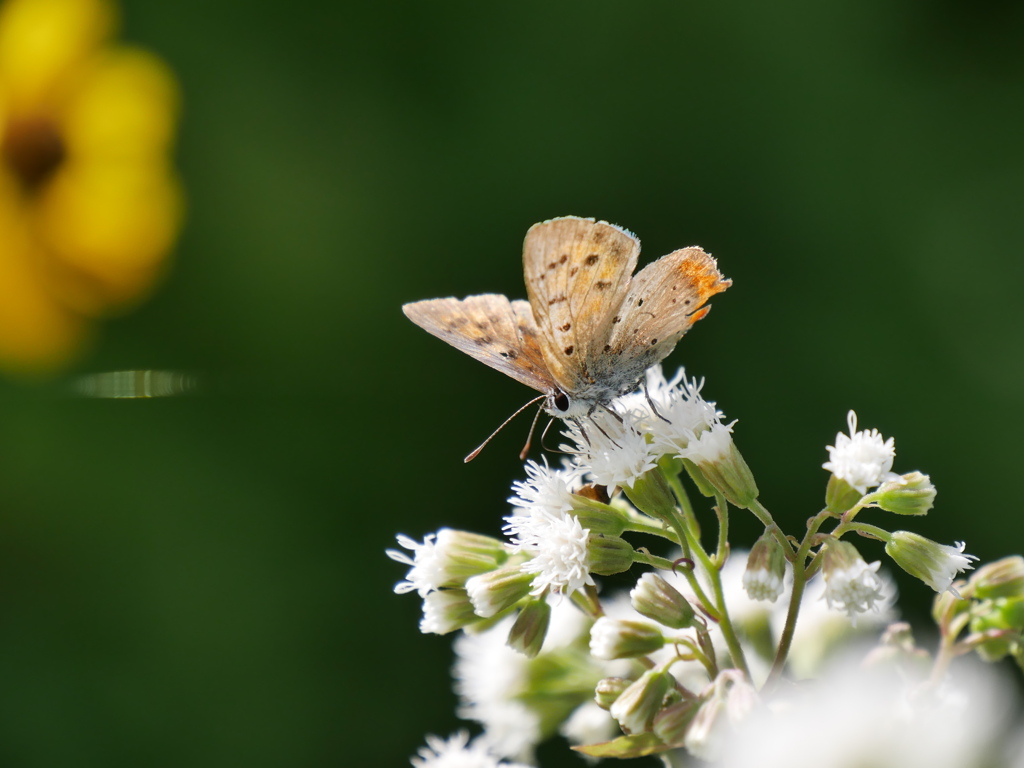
x=663 y=301
x=491 y=329
x=577 y=273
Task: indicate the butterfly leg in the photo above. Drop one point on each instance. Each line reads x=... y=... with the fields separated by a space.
x=601 y=429
x=650 y=402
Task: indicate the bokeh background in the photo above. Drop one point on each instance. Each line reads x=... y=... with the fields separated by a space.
x=200 y=580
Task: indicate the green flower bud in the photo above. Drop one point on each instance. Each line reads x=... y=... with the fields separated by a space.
x=607 y=554
x=911 y=494
x=840 y=495
x=491 y=593
x=721 y=463
x=703 y=484
x=766 y=569
x=671 y=723
x=598 y=517
x=947 y=605
x=1002 y=578
x=640 y=702
x=934 y=564
x=1006 y=616
x=652 y=495
x=656 y=599
x=609 y=689
x=619 y=639
x=530 y=628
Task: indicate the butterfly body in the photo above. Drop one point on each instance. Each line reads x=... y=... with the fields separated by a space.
x=590 y=327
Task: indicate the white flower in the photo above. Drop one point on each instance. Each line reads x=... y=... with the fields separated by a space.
x=445 y=559
x=762 y=584
x=855 y=717
x=545 y=489
x=489 y=677
x=612 y=450
x=457 y=752
x=426 y=573
x=855 y=589
x=681 y=411
x=710 y=446
x=862 y=459
x=445 y=611
x=558 y=546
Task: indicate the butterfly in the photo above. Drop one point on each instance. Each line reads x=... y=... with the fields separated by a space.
x=591 y=328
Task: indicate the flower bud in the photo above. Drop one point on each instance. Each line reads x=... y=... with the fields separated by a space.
x=1004 y=617
x=946 y=605
x=851 y=585
x=608 y=554
x=703 y=484
x=652 y=495
x=840 y=495
x=1002 y=578
x=766 y=569
x=619 y=639
x=491 y=593
x=530 y=628
x=721 y=463
x=640 y=702
x=598 y=517
x=671 y=723
x=934 y=564
x=609 y=689
x=445 y=611
x=656 y=599
x=911 y=494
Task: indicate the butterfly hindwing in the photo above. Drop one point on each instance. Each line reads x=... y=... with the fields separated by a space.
x=577 y=273
x=663 y=301
x=491 y=329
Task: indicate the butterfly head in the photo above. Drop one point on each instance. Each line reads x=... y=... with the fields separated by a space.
x=563 y=406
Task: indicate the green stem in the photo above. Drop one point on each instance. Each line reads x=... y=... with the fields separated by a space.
x=637 y=524
x=863 y=529
x=728 y=632
x=654 y=561
x=799 y=582
x=762 y=514
x=722 y=511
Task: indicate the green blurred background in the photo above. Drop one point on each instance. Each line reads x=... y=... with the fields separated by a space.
x=201 y=580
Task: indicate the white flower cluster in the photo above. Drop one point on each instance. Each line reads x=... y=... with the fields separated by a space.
x=690 y=659
x=543 y=527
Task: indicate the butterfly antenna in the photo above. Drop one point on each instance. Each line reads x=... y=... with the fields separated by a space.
x=529 y=437
x=483 y=445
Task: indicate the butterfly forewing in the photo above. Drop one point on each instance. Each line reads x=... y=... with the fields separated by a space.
x=490 y=328
x=663 y=301
x=577 y=273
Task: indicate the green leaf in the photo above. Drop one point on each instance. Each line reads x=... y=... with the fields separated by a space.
x=637 y=745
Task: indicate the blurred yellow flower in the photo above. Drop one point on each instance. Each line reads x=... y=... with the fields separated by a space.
x=89 y=203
